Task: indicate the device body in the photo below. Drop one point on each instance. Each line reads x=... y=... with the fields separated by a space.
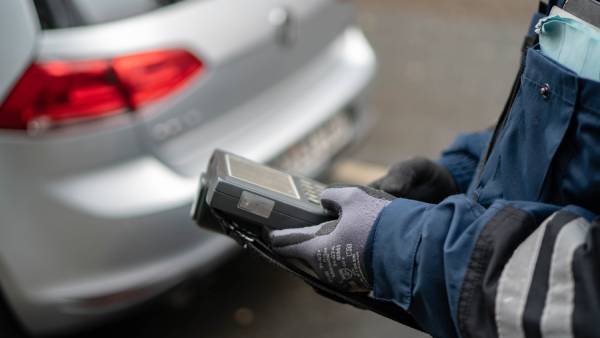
x=259 y=197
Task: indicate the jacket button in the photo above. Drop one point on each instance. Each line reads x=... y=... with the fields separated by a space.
x=545 y=91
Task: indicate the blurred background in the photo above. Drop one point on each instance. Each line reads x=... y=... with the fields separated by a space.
x=443 y=67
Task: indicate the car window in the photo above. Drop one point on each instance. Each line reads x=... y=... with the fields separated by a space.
x=72 y=13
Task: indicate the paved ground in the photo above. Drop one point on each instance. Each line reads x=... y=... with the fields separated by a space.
x=445 y=67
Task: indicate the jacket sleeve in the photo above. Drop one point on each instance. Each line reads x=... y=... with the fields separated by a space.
x=462 y=157
x=447 y=264
x=540 y=283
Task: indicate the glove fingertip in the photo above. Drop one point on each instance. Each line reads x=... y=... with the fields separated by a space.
x=334 y=193
x=275 y=236
x=286 y=237
x=291 y=251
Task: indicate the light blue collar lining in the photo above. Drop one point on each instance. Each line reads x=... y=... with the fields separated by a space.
x=571 y=42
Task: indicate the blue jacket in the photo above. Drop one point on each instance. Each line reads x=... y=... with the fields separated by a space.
x=488 y=262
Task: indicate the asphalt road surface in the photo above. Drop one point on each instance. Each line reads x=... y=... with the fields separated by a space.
x=444 y=67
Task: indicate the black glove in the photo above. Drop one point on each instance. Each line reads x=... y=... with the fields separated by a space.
x=418 y=179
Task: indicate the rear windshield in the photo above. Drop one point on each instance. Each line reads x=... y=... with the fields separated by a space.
x=72 y=13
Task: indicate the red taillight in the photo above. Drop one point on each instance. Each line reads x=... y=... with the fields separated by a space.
x=65 y=91
x=150 y=76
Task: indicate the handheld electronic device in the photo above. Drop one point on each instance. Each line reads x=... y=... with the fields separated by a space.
x=260 y=197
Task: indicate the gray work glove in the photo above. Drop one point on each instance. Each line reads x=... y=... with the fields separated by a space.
x=418 y=179
x=335 y=250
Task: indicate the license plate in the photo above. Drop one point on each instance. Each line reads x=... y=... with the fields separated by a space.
x=318 y=147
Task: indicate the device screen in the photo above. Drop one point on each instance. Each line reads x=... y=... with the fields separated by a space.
x=262 y=176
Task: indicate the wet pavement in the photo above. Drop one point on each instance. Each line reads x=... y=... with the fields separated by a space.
x=251 y=299
x=445 y=67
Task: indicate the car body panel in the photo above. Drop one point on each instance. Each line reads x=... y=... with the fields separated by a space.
x=94 y=217
x=18 y=32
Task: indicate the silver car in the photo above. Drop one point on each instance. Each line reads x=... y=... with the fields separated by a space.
x=109 y=111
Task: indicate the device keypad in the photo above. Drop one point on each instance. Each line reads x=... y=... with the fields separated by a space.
x=312 y=190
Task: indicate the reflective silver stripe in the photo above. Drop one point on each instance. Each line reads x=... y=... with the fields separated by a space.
x=558 y=310
x=514 y=284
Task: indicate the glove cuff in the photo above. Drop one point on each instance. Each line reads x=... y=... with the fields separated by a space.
x=368 y=253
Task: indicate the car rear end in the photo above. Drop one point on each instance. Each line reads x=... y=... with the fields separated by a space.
x=111 y=109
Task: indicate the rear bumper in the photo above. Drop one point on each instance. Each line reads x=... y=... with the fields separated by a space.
x=80 y=247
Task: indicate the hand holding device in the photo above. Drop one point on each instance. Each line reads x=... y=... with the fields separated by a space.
x=247 y=201
x=335 y=250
